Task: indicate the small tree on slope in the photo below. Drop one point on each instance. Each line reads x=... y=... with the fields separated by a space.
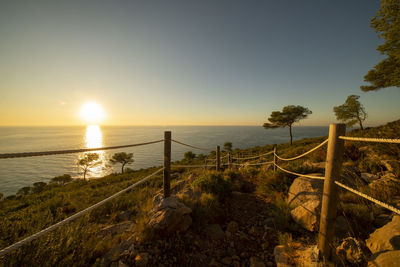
x=123 y=158
x=285 y=118
x=88 y=161
x=351 y=112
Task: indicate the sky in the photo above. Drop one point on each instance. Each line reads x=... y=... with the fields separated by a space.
x=187 y=62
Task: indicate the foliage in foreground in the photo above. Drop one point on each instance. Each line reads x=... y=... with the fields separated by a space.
x=78 y=242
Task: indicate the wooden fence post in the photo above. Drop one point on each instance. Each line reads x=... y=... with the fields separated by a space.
x=275 y=149
x=229 y=160
x=218 y=155
x=334 y=160
x=167 y=163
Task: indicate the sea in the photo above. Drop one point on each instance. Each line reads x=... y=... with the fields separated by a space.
x=16 y=173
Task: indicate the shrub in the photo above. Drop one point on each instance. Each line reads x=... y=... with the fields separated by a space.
x=61 y=180
x=351 y=152
x=249 y=171
x=26 y=190
x=38 y=187
x=371 y=166
x=189 y=156
x=214 y=183
x=357 y=213
x=281 y=211
x=205 y=209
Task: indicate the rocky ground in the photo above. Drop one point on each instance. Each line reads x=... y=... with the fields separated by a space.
x=244 y=236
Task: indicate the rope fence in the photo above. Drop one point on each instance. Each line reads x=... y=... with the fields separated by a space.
x=70 y=151
x=299 y=174
x=378 y=202
x=375 y=140
x=191 y=166
x=195 y=147
x=304 y=154
x=75 y=216
x=335 y=151
x=254 y=157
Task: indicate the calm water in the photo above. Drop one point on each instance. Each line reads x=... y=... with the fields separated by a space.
x=20 y=172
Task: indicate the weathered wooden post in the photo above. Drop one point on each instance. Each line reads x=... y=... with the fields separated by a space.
x=167 y=163
x=334 y=160
x=275 y=159
x=229 y=160
x=218 y=155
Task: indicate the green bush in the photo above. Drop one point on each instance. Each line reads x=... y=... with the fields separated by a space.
x=249 y=171
x=61 y=180
x=214 y=183
x=205 y=209
x=281 y=212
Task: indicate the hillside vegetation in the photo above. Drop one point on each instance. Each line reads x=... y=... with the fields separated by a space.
x=230 y=195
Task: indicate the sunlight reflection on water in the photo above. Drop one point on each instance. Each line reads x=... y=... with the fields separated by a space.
x=94 y=139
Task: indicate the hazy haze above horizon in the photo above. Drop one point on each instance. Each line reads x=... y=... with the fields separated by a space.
x=186 y=62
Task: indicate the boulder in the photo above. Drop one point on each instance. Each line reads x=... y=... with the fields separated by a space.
x=307 y=215
x=169 y=216
x=390 y=184
x=305 y=189
x=386 y=237
x=113 y=255
x=350 y=250
x=305 y=200
x=386 y=259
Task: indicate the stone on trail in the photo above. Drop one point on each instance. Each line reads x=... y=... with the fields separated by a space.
x=386 y=237
x=305 y=200
x=386 y=259
x=169 y=215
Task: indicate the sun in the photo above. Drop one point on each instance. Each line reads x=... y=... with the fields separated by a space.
x=92 y=113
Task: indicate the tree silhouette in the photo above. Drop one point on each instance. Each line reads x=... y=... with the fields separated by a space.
x=123 y=158
x=228 y=146
x=88 y=161
x=351 y=112
x=285 y=118
x=189 y=156
x=387 y=25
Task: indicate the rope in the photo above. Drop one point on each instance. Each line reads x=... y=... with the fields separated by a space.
x=195 y=147
x=254 y=156
x=299 y=174
x=302 y=155
x=376 y=140
x=56 y=152
x=191 y=166
x=73 y=217
x=380 y=203
x=251 y=164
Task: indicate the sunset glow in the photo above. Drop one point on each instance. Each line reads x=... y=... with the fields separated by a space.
x=92 y=113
